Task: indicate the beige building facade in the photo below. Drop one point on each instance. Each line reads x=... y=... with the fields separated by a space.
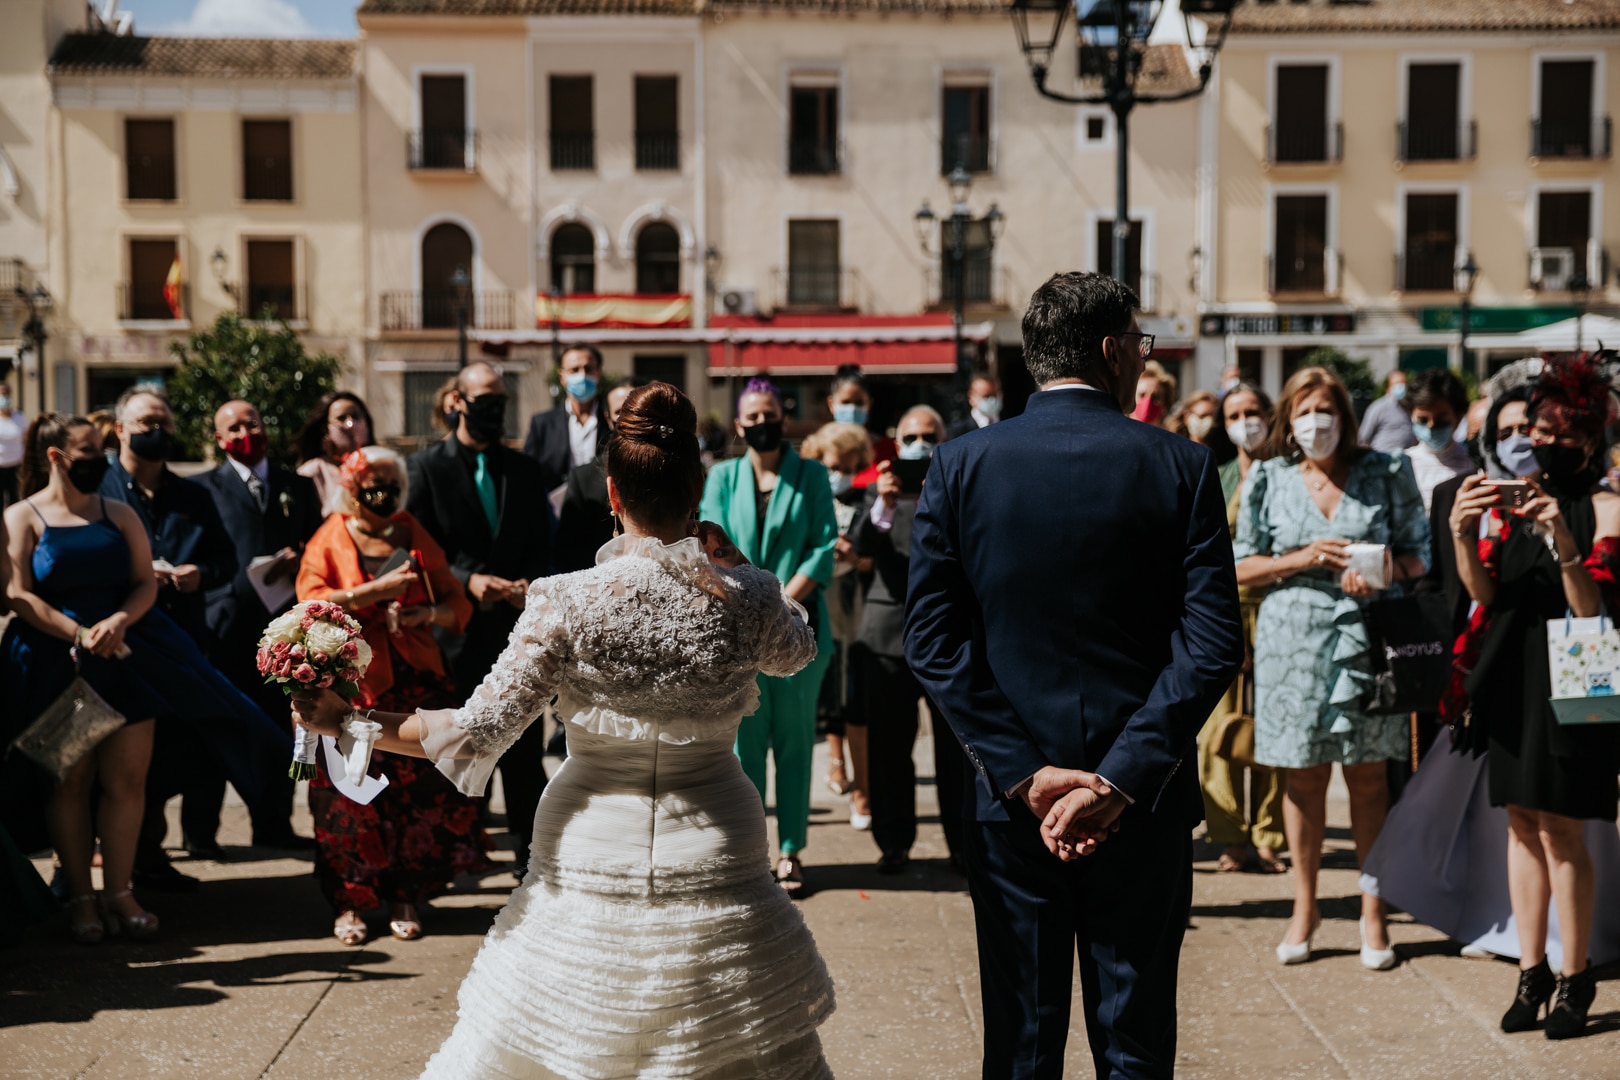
x=1363 y=159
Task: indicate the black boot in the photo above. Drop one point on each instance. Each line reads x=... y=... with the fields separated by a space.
x=1536 y=985
x=1566 y=1018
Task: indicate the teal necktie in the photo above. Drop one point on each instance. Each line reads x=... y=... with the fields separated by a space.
x=485 y=484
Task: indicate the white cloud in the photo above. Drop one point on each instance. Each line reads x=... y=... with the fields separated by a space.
x=244 y=18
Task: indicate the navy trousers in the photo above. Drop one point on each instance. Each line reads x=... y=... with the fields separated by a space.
x=1124 y=909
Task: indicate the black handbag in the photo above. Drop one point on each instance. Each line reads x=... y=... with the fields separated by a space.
x=1409 y=642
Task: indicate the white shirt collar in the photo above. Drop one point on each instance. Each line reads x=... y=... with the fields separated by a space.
x=1074 y=386
x=261 y=470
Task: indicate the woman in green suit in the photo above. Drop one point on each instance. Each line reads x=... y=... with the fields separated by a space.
x=778 y=509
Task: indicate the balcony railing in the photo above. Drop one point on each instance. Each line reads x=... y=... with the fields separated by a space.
x=1421 y=140
x=150 y=179
x=972 y=152
x=1428 y=269
x=1305 y=144
x=1318 y=276
x=817 y=288
x=813 y=157
x=14 y=275
x=658 y=150
x=436 y=309
x=442 y=148
x=1575 y=139
x=267 y=185
x=1568 y=269
x=288 y=303
x=573 y=151
x=147 y=303
x=983 y=284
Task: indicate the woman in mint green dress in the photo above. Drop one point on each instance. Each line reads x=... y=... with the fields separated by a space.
x=1316 y=494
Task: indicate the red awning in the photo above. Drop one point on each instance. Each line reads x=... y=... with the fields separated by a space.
x=821 y=344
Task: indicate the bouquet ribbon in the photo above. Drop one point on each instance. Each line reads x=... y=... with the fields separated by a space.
x=349 y=756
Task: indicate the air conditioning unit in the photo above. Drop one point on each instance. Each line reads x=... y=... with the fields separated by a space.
x=1552 y=269
x=739 y=301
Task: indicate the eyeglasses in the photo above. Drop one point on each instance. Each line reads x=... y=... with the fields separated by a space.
x=1518 y=429
x=1144 y=347
x=907 y=440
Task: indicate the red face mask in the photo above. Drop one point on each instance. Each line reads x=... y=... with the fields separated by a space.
x=248 y=449
x=1148 y=410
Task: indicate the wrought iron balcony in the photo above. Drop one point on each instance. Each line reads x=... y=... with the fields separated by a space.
x=1305 y=144
x=817 y=288
x=454 y=149
x=972 y=152
x=437 y=309
x=287 y=303
x=1311 y=276
x=813 y=157
x=983 y=284
x=1421 y=140
x=1571 y=139
x=1428 y=269
x=146 y=302
x=576 y=151
x=658 y=150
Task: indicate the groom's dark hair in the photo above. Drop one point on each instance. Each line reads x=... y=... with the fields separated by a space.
x=1066 y=321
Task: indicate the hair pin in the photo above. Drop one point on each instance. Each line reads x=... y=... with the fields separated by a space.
x=665 y=431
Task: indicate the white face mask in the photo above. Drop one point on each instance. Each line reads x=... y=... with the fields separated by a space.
x=1247 y=432
x=1199 y=427
x=1317 y=434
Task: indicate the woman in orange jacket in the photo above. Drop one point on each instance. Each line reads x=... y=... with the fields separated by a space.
x=408 y=844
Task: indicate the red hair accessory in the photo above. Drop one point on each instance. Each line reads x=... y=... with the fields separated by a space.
x=1575 y=392
x=354 y=470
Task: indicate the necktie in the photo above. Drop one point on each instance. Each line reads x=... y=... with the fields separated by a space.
x=256 y=489
x=485 y=484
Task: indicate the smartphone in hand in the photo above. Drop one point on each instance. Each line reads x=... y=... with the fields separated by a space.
x=1511 y=494
x=910 y=474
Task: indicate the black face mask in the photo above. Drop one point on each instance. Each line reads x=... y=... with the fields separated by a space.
x=486 y=417
x=155 y=444
x=764 y=437
x=86 y=474
x=382 y=500
x=1569 y=473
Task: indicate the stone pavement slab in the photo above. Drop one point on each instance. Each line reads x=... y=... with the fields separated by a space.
x=246 y=981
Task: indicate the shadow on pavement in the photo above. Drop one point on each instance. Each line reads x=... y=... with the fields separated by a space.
x=923 y=875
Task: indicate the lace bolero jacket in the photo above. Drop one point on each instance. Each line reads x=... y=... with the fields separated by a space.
x=654 y=641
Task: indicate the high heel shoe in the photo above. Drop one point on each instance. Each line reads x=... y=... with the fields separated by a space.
x=1289 y=954
x=87 y=933
x=143 y=925
x=409 y=926
x=1375 y=959
x=1536 y=986
x=1566 y=1017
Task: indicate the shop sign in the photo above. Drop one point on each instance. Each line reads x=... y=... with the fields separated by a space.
x=1292 y=322
x=1495 y=320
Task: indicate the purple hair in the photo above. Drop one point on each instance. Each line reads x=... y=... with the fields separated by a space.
x=759 y=384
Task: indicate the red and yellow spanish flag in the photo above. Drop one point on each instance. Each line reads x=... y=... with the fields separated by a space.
x=171 y=289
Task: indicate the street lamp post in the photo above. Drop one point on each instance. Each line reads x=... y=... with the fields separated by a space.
x=1467 y=274
x=952 y=256
x=1122 y=26
x=1579 y=286
x=38 y=302
x=554 y=305
x=459 y=286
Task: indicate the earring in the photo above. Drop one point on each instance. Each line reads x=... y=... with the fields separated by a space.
x=618 y=526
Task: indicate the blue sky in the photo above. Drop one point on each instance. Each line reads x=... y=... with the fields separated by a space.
x=243 y=18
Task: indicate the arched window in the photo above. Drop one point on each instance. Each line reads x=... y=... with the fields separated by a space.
x=658 y=260
x=573 y=259
x=446 y=248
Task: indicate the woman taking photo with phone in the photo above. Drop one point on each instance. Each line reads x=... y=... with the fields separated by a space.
x=1316 y=493
x=409 y=843
x=778 y=508
x=1524 y=561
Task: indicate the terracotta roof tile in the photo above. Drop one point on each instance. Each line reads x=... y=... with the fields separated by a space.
x=1164 y=71
x=1409 y=16
x=285 y=58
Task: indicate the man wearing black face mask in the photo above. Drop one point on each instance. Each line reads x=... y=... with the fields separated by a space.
x=486 y=505
x=191 y=553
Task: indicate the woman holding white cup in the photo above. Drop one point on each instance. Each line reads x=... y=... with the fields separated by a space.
x=1310 y=511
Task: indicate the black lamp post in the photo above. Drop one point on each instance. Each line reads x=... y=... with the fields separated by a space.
x=1579 y=286
x=38 y=302
x=1122 y=28
x=460 y=285
x=952 y=255
x=554 y=305
x=1467 y=274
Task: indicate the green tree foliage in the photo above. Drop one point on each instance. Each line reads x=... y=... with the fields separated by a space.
x=260 y=362
x=1355 y=374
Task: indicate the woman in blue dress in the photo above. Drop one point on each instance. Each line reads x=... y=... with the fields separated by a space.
x=1317 y=493
x=82 y=590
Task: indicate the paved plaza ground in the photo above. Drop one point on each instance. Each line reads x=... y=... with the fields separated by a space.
x=246 y=981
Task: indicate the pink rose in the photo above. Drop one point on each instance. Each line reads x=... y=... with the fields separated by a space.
x=325 y=682
x=296 y=652
x=262 y=658
x=285 y=669
x=319 y=659
x=349 y=651
x=304 y=673
x=349 y=674
x=280 y=648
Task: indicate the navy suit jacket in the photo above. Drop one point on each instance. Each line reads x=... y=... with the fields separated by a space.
x=547 y=442
x=1073 y=601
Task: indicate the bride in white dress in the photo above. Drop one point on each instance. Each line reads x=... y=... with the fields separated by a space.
x=649 y=938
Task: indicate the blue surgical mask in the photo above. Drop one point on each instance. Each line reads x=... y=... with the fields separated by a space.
x=841 y=483
x=849 y=413
x=1398 y=391
x=990 y=406
x=916 y=450
x=1517 y=455
x=580 y=387
x=1436 y=436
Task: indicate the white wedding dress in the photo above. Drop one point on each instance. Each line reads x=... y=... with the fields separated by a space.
x=649 y=938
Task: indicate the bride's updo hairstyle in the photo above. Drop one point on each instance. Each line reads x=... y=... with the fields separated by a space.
x=653 y=456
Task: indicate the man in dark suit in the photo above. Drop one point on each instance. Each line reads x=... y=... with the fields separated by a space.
x=1073 y=611
x=984 y=406
x=486 y=505
x=889 y=691
x=572 y=434
x=269 y=510
x=586 y=520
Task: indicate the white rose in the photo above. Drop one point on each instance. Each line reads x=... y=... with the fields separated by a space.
x=323 y=637
x=284 y=627
x=362 y=661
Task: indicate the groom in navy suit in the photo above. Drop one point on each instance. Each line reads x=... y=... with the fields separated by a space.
x=1073 y=612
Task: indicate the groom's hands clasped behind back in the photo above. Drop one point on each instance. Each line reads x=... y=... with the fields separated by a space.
x=1078 y=810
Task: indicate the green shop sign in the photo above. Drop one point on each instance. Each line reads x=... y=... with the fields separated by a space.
x=1495 y=320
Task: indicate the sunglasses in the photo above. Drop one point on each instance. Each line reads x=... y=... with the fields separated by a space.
x=1518 y=429
x=907 y=440
x=1144 y=347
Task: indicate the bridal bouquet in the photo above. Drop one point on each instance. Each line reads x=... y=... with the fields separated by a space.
x=317 y=645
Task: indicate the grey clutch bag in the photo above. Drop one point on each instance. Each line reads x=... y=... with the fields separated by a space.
x=69 y=728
